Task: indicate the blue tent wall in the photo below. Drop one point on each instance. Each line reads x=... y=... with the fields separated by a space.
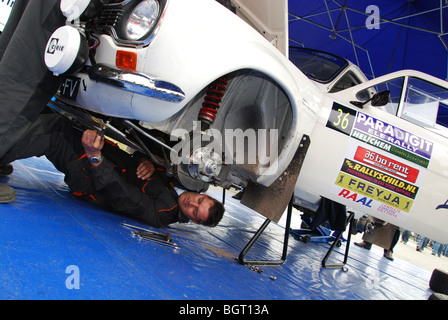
x=411 y=34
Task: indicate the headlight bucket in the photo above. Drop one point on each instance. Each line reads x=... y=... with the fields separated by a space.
x=131 y=23
x=142 y=19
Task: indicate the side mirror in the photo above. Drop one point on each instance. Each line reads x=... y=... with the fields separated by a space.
x=378 y=100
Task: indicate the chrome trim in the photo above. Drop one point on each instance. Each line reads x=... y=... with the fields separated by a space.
x=119 y=10
x=137 y=83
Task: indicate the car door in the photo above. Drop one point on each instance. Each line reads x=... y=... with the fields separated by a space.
x=389 y=161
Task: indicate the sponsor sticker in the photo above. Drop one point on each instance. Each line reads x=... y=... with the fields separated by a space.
x=384 y=165
x=392 y=135
x=379 y=161
x=372 y=191
x=380 y=134
x=379 y=178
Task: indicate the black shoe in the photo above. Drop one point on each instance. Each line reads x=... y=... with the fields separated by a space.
x=238 y=196
x=438 y=296
x=6 y=170
x=364 y=245
x=388 y=255
x=7 y=194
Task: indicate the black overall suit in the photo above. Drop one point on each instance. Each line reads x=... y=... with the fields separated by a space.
x=26 y=85
x=113 y=183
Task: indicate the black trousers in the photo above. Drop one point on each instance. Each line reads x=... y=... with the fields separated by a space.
x=52 y=136
x=113 y=184
x=26 y=85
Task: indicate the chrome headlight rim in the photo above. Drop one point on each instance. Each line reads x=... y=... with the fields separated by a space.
x=121 y=12
x=142 y=20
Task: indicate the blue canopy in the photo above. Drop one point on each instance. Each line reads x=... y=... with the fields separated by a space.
x=380 y=36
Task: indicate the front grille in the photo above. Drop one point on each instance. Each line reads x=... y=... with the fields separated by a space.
x=109 y=17
x=112 y=21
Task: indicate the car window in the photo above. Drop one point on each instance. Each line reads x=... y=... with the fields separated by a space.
x=425 y=104
x=317 y=65
x=395 y=86
x=442 y=115
x=348 y=80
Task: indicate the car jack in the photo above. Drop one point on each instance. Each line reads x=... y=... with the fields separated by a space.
x=322 y=235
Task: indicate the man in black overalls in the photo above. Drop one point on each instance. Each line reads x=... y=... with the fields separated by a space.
x=26 y=85
x=104 y=174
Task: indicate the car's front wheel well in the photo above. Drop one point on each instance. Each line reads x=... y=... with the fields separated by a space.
x=250 y=105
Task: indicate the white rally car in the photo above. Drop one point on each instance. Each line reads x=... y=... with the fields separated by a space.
x=208 y=91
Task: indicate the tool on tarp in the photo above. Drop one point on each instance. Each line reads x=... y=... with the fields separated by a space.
x=149 y=235
x=154 y=238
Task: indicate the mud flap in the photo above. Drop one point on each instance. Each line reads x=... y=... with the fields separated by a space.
x=272 y=201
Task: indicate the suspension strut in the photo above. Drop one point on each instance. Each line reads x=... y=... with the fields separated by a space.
x=212 y=102
x=205 y=165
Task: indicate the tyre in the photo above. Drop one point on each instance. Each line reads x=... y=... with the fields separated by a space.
x=439 y=281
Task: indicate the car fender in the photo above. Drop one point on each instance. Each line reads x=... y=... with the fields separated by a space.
x=201 y=41
x=197 y=43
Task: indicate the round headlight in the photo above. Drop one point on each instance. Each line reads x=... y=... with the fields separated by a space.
x=82 y=9
x=72 y=9
x=142 y=19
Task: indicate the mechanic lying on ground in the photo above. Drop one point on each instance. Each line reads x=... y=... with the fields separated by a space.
x=104 y=174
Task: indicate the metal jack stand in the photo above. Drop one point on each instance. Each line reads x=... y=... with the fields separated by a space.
x=249 y=245
x=335 y=242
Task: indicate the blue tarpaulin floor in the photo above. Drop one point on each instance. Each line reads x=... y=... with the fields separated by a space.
x=51 y=243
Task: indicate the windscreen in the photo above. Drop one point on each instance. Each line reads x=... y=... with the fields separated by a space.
x=317 y=65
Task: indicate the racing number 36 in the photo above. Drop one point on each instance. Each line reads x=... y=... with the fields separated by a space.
x=341 y=118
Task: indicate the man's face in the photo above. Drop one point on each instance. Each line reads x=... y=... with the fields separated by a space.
x=195 y=206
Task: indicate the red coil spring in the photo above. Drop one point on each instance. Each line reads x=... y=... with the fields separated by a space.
x=212 y=100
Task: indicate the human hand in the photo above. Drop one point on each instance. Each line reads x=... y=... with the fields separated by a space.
x=145 y=169
x=92 y=143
